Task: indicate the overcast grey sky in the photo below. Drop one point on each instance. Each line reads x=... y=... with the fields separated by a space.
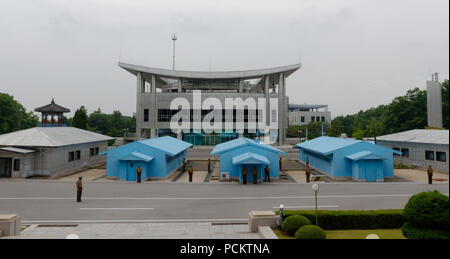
x=356 y=54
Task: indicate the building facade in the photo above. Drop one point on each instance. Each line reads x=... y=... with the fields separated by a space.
x=301 y=114
x=49 y=151
x=235 y=155
x=420 y=148
x=157 y=88
x=348 y=159
x=158 y=157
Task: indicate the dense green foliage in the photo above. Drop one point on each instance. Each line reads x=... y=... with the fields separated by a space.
x=291 y=224
x=80 y=118
x=310 y=232
x=13 y=115
x=372 y=219
x=429 y=209
x=427 y=216
x=314 y=130
x=114 y=125
x=414 y=232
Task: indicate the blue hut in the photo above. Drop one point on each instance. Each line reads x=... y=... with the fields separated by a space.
x=348 y=158
x=158 y=158
x=243 y=152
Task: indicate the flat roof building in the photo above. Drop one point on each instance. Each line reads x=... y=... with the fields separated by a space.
x=157 y=88
x=301 y=114
x=420 y=148
x=49 y=151
x=348 y=159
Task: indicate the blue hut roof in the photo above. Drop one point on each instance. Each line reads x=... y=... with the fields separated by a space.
x=250 y=158
x=364 y=155
x=170 y=145
x=326 y=145
x=136 y=156
x=236 y=143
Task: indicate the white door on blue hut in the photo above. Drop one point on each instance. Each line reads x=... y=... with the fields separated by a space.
x=131 y=171
x=370 y=169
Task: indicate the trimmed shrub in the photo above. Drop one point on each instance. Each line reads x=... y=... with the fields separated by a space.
x=291 y=224
x=428 y=209
x=310 y=232
x=372 y=219
x=413 y=232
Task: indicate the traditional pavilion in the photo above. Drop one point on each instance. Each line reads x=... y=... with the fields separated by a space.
x=53 y=110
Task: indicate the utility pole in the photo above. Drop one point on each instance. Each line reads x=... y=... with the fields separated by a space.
x=374 y=133
x=174 y=38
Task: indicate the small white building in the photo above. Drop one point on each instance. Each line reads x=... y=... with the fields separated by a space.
x=301 y=114
x=49 y=151
x=420 y=148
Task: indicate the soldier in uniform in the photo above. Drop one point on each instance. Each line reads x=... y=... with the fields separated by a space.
x=307 y=162
x=190 y=172
x=139 y=173
x=244 y=175
x=255 y=176
x=267 y=174
x=209 y=165
x=79 y=189
x=308 y=173
x=430 y=175
x=280 y=163
x=184 y=165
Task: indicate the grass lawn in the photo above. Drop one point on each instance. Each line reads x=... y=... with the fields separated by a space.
x=353 y=234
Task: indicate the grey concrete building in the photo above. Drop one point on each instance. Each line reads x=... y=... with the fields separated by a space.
x=156 y=88
x=49 y=151
x=434 y=102
x=301 y=114
x=420 y=148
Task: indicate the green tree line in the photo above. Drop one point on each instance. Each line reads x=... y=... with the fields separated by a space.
x=403 y=113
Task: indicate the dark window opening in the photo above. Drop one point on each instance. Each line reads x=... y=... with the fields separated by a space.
x=405 y=152
x=77 y=155
x=71 y=156
x=396 y=149
x=146 y=115
x=441 y=156
x=429 y=155
x=16 y=164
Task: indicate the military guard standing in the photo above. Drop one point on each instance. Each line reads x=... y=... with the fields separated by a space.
x=430 y=175
x=255 y=175
x=244 y=175
x=307 y=173
x=190 y=172
x=267 y=174
x=79 y=189
x=138 y=173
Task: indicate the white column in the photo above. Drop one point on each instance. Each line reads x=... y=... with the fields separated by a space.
x=281 y=112
x=266 y=91
x=139 y=111
x=154 y=109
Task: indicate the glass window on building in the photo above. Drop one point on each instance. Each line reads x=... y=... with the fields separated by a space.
x=303 y=118
x=97 y=151
x=17 y=164
x=77 y=155
x=322 y=118
x=405 y=152
x=317 y=118
x=441 y=156
x=71 y=156
x=145 y=114
x=313 y=119
x=429 y=155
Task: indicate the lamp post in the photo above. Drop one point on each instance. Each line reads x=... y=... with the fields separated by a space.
x=315 y=188
x=174 y=38
x=280 y=218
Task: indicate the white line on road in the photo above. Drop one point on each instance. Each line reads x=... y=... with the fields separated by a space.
x=116 y=208
x=132 y=221
x=307 y=207
x=211 y=198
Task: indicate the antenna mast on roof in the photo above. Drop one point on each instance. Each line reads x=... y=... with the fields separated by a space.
x=174 y=38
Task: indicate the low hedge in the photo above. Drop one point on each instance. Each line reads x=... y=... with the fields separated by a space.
x=292 y=224
x=342 y=219
x=310 y=232
x=415 y=232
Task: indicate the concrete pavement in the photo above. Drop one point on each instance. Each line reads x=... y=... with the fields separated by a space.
x=48 y=202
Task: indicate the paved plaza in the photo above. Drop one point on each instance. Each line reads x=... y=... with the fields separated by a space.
x=140 y=231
